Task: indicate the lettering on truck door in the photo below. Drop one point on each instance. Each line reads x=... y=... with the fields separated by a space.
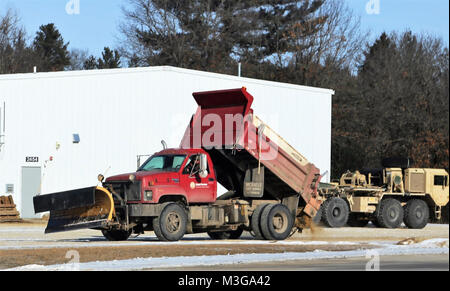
x=197 y=188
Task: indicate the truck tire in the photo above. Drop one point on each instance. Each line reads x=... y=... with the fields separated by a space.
x=389 y=213
x=171 y=224
x=417 y=214
x=354 y=220
x=116 y=235
x=255 y=221
x=335 y=212
x=276 y=222
x=231 y=234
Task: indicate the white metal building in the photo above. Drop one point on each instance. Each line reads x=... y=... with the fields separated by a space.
x=60 y=130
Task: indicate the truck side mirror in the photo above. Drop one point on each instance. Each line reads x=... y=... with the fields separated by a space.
x=203 y=166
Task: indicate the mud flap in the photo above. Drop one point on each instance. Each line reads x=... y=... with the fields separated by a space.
x=91 y=207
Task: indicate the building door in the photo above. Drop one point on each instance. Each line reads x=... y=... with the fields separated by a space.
x=31 y=182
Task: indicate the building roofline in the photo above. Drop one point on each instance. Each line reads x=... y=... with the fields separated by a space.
x=64 y=74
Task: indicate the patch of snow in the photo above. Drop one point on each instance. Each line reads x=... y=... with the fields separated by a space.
x=424 y=248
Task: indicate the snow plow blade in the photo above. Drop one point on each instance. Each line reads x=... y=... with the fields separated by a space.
x=91 y=207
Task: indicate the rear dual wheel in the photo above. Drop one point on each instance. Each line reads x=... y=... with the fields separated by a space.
x=272 y=222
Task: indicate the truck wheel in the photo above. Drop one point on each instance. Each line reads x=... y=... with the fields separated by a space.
x=417 y=214
x=335 y=212
x=276 y=222
x=255 y=221
x=232 y=234
x=389 y=213
x=116 y=235
x=171 y=224
x=355 y=221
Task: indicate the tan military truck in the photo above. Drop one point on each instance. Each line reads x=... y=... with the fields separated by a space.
x=387 y=197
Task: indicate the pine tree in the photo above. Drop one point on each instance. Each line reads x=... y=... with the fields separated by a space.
x=50 y=48
x=90 y=63
x=110 y=59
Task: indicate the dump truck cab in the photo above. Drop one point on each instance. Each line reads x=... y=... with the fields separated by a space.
x=169 y=175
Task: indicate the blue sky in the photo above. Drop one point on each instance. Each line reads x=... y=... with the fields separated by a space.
x=97 y=23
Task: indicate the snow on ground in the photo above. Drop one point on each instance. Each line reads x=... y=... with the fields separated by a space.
x=427 y=247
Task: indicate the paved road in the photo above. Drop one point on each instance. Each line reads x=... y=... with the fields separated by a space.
x=388 y=263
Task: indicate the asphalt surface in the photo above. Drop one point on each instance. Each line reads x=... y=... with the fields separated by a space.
x=387 y=263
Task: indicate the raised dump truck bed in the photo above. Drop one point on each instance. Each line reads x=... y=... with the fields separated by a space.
x=272 y=187
x=250 y=158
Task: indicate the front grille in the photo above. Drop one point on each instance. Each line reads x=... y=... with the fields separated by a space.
x=126 y=190
x=133 y=191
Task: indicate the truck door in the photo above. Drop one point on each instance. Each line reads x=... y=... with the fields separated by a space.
x=199 y=190
x=440 y=186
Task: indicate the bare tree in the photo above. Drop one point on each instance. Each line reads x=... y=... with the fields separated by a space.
x=15 y=55
x=179 y=33
x=77 y=59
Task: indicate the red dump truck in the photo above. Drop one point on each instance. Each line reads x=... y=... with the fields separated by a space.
x=272 y=188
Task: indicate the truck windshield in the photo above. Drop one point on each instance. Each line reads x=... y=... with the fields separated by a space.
x=166 y=163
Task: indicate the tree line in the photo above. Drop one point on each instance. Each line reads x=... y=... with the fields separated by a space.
x=391 y=94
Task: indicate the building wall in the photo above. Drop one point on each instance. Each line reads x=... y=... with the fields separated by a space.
x=121 y=113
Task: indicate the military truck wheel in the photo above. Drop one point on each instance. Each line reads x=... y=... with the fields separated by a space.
x=276 y=222
x=171 y=223
x=389 y=213
x=354 y=220
x=335 y=212
x=255 y=221
x=232 y=234
x=116 y=235
x=417 y=214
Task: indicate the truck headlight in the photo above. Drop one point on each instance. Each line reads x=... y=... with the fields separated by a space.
x=148 y=195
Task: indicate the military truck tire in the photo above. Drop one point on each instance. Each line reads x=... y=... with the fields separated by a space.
x=116 y=235
x=417 y=214
x=231 y=234
x=255 y=221
x=354 y=221
x=171 y=224
x=389 y=213
x=335 y=212
x=276 y=222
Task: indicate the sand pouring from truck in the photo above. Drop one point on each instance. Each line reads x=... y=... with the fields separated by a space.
x=272 y=188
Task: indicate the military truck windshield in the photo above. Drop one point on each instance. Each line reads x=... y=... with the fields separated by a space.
x=166 y=163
